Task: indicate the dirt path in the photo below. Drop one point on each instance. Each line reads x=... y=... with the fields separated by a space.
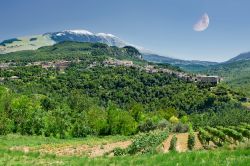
x=78 y=150
x=95 y=151
x=182 y=139
x=100 y=150
x=166 y=143
x=198 y=144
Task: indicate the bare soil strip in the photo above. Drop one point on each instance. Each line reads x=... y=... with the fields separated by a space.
x=79 y=150
x=166 y=143
x=100 y=150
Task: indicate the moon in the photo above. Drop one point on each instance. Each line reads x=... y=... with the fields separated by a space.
x=202 y=24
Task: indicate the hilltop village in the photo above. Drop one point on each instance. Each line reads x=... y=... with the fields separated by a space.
x=213 y=80
x=61 y=65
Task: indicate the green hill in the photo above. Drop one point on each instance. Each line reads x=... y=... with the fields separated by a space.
x=71 y=50
x=73 y=90
x=235 y=74
x=25 y=43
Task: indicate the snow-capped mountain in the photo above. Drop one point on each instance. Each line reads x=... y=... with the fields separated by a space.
x=86 y=36
x=47 y=39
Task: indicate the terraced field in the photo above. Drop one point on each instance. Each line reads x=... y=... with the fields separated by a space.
x=239 y=156
x=182 y=146
x=83 y=147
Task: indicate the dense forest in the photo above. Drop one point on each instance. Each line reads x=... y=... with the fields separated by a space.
x=91 y=98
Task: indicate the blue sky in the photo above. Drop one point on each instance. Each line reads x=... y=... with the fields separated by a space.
x=164 y=26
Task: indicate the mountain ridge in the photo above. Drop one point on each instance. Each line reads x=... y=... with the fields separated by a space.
x=82 y=35
x=240 y=57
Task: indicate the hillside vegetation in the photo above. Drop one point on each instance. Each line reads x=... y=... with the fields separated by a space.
x=235 y=74
x=223 y=156
x=91 y=98
x=68 y=103
x=70 y=50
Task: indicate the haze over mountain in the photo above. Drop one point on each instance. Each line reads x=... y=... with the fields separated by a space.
x=51 y=38
x=81 y=35
x=86 y=36
x=34 y=42
x=243 y=56
x=151 y=83
x=188 y=65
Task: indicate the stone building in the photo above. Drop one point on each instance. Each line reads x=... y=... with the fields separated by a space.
x=214 y=80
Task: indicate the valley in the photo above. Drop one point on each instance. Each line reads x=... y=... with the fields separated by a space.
x=91 y=103
x=125 y=83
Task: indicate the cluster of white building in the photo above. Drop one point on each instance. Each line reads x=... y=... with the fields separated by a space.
x=63 y=64
x=214 y=80
x=60 y=64
x=116 y=62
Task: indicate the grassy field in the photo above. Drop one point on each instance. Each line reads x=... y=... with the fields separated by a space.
x=11 y=140
x=239 y=157
x=25 y=43
x=247 y=104
x=223 y=156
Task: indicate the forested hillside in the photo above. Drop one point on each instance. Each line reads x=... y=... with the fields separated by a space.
x=89 y=97
x=235 y=74
x=70 y=51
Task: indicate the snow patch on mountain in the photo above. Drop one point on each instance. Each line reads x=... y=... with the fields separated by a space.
x=77 y=35
x=106 y=35
x=59 y=34
x=80 y=32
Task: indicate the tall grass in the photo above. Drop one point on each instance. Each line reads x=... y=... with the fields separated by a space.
x=34 y=141
x=239 y=157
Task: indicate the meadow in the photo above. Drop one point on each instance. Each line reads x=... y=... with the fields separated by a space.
x=226 y=155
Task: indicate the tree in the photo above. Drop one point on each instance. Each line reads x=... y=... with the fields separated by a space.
x=136 y=111
x=120 y=122
x=22 y=113
x=184 y=119
x=80 y=102
x=80 y=126
x=97 y=120
x=191 y=138
x=174 y=120
x=58 y=122
x=6 y=124
x=168 y=113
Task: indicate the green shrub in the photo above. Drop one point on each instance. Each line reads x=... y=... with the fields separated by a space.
x=245 y=132
x=180 y=128
x=174 y=119
x=80 y=129
x=121 y=122
x=6 y=125
x=191 y=139
x=97 y=120
x=147 y=143
x=173 y=142
x=147 y=126
x=236 y=136
x=119 y=152
x=246 y=125
x=218 y=137
x=184 y=119
x=164 y=124
x=204 y=137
